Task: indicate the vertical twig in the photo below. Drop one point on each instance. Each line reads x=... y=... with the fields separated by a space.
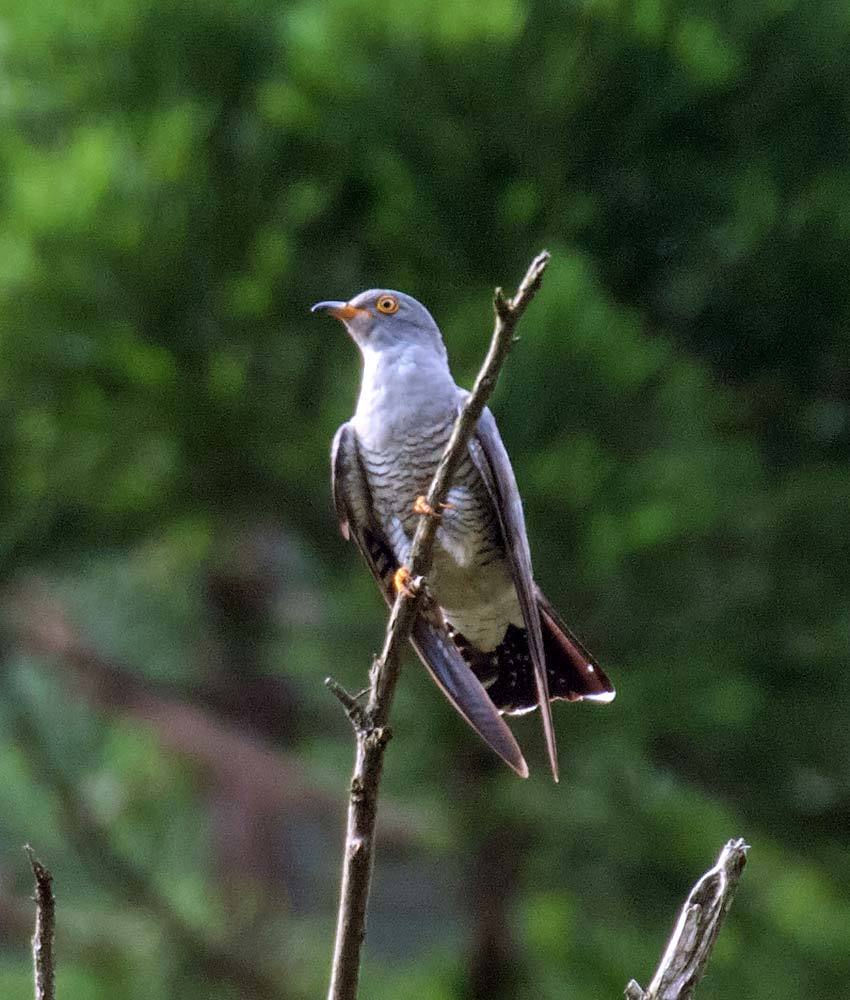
x=370 y=723
x=700 y=919
x=43 y=958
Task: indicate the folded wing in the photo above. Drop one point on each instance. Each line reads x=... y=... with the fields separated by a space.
x=430 y=637
x=491 y=459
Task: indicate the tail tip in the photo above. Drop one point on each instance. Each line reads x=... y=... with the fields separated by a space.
x=600 y=697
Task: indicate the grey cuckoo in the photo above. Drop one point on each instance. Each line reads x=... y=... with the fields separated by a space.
x=486 y=633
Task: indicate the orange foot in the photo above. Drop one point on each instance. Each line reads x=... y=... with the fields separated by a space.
x=421 y=506
x=404 y=583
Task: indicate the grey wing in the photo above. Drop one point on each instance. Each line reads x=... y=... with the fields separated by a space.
x=491 y=460
x=430 y=638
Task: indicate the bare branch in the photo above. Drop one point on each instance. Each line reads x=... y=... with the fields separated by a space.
x=373 y=734
x=43 y=959
x=700 y=919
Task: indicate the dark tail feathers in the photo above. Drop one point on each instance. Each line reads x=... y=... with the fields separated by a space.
x=508 y=674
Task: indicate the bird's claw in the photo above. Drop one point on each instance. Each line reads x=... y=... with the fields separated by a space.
x=405 y=583
x=421 y=506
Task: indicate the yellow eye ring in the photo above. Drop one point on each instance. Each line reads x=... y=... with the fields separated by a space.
x=387 y=304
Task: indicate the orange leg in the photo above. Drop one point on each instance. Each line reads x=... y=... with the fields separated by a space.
x=404 y=582
x=421 y=506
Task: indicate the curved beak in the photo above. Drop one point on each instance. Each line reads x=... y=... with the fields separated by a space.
x=339 y=310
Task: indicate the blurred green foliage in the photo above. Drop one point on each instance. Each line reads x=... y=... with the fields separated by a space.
x=177 y=184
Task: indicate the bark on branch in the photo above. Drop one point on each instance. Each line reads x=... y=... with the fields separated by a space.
x=688 y=950
x=371 y=722
x=43 y=960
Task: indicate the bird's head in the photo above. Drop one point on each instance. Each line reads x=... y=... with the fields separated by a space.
x=381 y=319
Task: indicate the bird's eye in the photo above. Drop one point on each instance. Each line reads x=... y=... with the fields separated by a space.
x=387 y=304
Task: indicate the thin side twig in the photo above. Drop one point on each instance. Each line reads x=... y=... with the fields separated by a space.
x=43 y=958
x=700 y=919
x=370 y=723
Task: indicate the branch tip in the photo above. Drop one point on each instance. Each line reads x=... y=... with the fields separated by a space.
x=697 y=925
x=43 y=876
x=45 y=929
x=353 y=708
x=530 y=283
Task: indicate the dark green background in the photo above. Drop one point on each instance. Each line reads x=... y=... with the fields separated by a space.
x=178 y=182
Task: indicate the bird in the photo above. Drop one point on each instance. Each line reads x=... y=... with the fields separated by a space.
x=485 y=632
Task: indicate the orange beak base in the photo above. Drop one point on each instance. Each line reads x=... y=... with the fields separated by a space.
x=339 y=310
